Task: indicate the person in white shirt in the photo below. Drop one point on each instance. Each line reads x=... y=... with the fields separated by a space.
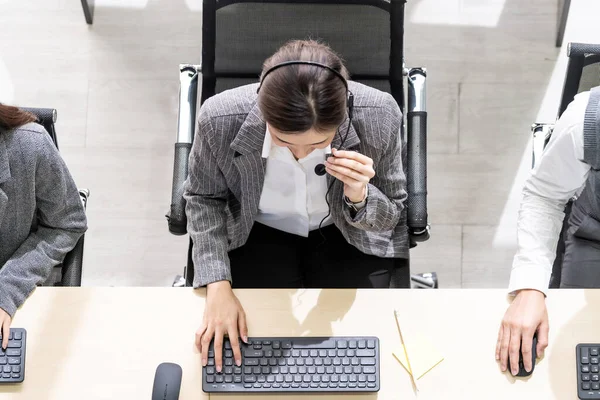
x=567 y=169
x=294 y=182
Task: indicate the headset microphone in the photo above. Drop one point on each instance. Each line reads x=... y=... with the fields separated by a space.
x=320 y=169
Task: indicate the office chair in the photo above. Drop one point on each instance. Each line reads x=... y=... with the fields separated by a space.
x=238 y=35
x=69 y=272
x=583 y=73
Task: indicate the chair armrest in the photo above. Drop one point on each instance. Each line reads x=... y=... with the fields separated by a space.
x=72 y=266
x=541 y=136
x=186 y=122
x=416 y=118
x=582 y=49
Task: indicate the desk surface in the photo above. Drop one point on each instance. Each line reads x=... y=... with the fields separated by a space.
x=105 y=343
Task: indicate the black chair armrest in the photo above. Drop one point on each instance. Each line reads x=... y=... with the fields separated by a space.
x=582 y=49
x=72 y=267
x=47 y=118
x=416 y=142
x=188 y=92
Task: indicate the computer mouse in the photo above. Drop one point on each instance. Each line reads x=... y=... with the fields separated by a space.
x=522 y=370
x=167 y=382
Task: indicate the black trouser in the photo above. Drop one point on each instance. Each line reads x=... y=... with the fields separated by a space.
x=275 y=259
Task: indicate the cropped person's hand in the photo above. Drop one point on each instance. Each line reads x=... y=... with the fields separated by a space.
x=352 y=168
x=5 y=321
x=525 y=316
x=223 y=315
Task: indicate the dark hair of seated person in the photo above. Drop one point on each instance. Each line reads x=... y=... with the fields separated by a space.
x=297 y=98
x=13 y=117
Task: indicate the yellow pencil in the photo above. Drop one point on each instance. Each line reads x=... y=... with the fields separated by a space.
x=412 y=378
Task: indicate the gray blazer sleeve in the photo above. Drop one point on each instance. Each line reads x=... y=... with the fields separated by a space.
x=205 y=192
x=61 y=222
x=387 y=190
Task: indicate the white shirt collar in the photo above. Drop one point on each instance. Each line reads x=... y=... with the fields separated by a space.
x=268 y=144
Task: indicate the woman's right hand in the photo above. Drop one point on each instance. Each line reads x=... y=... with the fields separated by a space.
x=223 y=315
x=5 y=321
x=525 y=316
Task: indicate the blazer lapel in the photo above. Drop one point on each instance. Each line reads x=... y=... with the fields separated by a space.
x=248 y=160
x=4 y=174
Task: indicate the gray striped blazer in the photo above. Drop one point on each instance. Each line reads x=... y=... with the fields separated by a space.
x=226 y=176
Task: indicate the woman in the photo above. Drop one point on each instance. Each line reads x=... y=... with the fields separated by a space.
x=260 y=212
x=41 y=214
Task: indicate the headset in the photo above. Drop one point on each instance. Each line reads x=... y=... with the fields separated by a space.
x=320 y=168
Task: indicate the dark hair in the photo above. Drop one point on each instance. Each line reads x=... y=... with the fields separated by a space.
x=12 y=117
x=296 y=98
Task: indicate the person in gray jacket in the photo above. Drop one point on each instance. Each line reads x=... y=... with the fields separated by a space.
x=41 y=214
x=293 y=182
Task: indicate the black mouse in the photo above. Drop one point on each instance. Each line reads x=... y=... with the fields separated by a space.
x=522 y=370
x=167 y=382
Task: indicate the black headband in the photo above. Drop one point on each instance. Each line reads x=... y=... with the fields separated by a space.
x=286 y=63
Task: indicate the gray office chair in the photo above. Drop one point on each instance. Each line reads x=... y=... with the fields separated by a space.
x=69 y=272
x=583 y=73
x=238 y=35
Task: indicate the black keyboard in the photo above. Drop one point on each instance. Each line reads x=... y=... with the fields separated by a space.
x=297 y=364
x=12 y=360
x=588 y=371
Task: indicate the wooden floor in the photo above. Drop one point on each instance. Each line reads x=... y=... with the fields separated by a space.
x=493 y=71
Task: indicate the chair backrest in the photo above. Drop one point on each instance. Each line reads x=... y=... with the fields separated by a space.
x=70 y=271
x=583 y=73
x=239 y=35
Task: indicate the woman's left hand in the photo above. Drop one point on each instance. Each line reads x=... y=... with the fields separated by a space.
x=352 y=168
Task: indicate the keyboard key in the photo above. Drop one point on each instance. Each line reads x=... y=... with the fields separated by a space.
x=16 y=376
x=352 y=344
x=228 y=362
x=347 y=370
x=316 y=378
x=367 y=361
x=585 y=377
x=237 y=379
x=266 y=342
x=586 y=385
x=371 y=378
x=251 y=362
x=251 y=353
x=210 y=370
x=288 y=345
x=270 y=379
x=595 y=378
x=265 y=370
x=362 y=344
x=262 y=379
x=331 y=353
x=248 y=385
x=595 y=386
x=6 y=375
x=277 y=354
x=352 y=385
x=318 y=361
x=249 y=379
x=362 y=378
x=342 y=344
x=365 y=353
x=228 y=379
x=371 y=385
x=279 y=378
x=585 y=369
x=595 y=369
x=371 y=344
x=276 y=344
x=16 y=368
x=362 y=385
x=272 y=362
x=14 y=361
x=369 y=370
x=13 y=352
x=594 y=352
x=3 y=360
x=356 y=370
x=218 y=378
x=211 y=361
x=6 y=368
x=302 y=370
x=276 y=385
x=256 y=370
x=14 y=344
x=355 y=361
x=18 y=335
x=257 y=385
x=351 y=353
x=237 y=370
x=314 y=353
x=227 y=345
x=320 y=370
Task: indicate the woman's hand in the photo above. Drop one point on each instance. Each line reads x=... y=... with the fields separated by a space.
x=223 y=315
x=5 y=321
x=525 y=316
x=352 y=168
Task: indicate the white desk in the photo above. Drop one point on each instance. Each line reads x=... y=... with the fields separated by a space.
x=105 y=343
